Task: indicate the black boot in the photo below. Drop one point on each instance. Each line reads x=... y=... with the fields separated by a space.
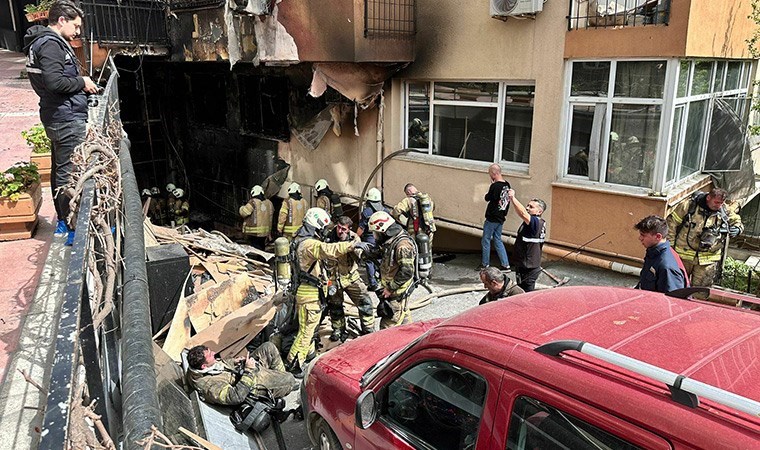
x=335 y=335
x=294 y=367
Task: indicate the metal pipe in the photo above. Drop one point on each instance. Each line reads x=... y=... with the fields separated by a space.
x=141 y=409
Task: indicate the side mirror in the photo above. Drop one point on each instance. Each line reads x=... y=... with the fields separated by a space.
x=366 y=410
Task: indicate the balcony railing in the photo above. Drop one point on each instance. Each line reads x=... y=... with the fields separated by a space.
x=126 y=22
x=617 y=13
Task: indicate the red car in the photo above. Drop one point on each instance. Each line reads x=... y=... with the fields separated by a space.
x=572 y=368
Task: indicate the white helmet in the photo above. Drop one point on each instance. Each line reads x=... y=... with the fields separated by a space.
x=380 y=221
x=146 y=192
x=373 y=195
x=178 y=193
x=154 y=190
x=317 y=217
x=170 y=187
x=256 y=190
x=321 y=185
x=294 y=187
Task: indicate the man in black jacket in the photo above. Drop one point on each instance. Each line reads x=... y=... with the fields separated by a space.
x=53 y=70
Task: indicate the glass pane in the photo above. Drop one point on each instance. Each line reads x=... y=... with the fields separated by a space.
x=437 y=403
x=643 y=79
x=720 y=75
x=733 y=75
x=674 y=143
x=590 y=79
x=702 y=78
x=633 y=143
x=466 y=132
x=536 y=425
x=692 y=145
x=419 y=115
x=747 y=75
x=467 y=92
x=518 y=124
x=683 y=78
x=580 y=140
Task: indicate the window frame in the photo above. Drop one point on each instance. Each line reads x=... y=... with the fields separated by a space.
x=500 y=106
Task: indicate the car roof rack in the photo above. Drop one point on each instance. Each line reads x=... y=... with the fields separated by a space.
x=683 y=390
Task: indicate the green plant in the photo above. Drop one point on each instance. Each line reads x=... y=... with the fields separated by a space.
x=736 y=275
x=752 y=47
x=18 y=179
x=37 y=139
x=43 y=5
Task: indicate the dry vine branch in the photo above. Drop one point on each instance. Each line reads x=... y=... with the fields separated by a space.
x=151 y=440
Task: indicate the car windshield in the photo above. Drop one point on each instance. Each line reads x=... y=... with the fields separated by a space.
x=379 y=366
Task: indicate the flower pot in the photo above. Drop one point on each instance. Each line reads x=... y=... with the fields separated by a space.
x=18 y=219
x=43 y=163
x=37 y=16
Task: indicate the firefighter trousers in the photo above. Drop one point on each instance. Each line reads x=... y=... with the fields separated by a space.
x=309 y=314
x=401 y=313
x=359 y=296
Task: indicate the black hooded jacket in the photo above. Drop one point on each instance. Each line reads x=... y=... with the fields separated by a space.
x=53 y=70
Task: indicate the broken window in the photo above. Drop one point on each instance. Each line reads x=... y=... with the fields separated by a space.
x=208 y=98
x=264 y=106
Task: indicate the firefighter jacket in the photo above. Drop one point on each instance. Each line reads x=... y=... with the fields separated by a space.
x=217 y=384
x=157 y=210
x=409 y=213
x=509 y=289
x=345 y=270
x=257 y=217
x=178 y=210
x=398 y=264
x=291 y=215
x=313 y=256
x=323 y=201
x=686 y=239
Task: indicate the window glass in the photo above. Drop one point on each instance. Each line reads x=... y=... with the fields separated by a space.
x=467 y=92
x=633 y=144
x=674 y=143
x=419 y=115
x=536 y=425
x=733 y=75
x=720 y=74
x=438 y=403
x=683 y=78
x=692 y=146
x=580 y=140
x=465 y=132
x=702 y=78
x=590 y=79
x=518 y=124
x=747 y=75
x=642 y=79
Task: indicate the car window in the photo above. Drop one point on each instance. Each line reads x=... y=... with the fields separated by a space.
x=536 y=425
x=436 y=403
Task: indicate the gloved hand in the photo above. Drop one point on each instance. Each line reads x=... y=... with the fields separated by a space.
x=734 y=231
x=363 y=246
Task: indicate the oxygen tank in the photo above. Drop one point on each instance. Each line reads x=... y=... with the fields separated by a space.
x=337 y=206
x=282 y=260
x=425 y=255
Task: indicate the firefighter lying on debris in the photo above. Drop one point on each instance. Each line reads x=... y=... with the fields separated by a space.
x=228 y=382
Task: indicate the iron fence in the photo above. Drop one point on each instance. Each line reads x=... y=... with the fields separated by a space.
x=126 y=22
x=617 y=13
x=390 y=19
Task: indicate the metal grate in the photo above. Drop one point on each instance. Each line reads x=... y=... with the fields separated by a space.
x=617 y=13
x=126 y=22
x=390 y=19
x=186 y=5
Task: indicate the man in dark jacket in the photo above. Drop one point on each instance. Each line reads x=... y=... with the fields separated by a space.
x=663 y=270
x=53 y=70
x=529 y=241
x=498 y=284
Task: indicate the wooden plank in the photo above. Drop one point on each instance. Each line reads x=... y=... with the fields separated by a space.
x=214 y=272
x=199 y=440
x=219 y=300
x=248 y=320
x=179 y=331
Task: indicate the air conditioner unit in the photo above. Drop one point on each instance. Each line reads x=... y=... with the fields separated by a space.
x=504 y=8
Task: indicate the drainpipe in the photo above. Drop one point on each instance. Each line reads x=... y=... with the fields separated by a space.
x=554 y=250
x=379 y=139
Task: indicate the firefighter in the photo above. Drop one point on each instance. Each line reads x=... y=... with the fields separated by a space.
x=697 y=230
x=372 y=204
x=257 y=218
x=398 y=271
x=160 y=205
x=344 y=275
x=153 y=207
x=415 y=212
x=179 y=208
x=291 y=212
x=327 y=199
x=309 y=255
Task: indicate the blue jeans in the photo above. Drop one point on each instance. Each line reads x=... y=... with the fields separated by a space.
x=492 y=231
x=64 y=136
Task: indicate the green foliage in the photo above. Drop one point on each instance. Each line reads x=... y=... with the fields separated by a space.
x=43 y=5
x=752 y=46
x=736 y=276
x=18 y=179
x=37 y=139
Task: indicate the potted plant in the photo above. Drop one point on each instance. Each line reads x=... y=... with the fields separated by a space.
x=37 y=139
x=20 y=200
x=38 y=12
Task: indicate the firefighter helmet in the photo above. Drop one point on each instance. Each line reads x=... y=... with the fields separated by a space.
x=146 y=192
x=256 y=190
x=294 y=188
x=380 y=221
x=317 y=218
x=178 y=193
x=373 y=195
x=154 y=190
x=170 y=187
x=321 y=185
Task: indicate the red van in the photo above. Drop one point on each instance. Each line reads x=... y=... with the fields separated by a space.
x=567 y=368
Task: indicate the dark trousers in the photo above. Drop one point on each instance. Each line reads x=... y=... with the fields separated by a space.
x=64 y=136
x=526 y=278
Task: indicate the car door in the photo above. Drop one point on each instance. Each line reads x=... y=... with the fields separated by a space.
x=436 y=399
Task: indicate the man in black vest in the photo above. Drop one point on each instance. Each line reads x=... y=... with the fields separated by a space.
x=53 y=70
x=529 y=241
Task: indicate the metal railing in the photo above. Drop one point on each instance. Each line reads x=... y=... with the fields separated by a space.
x=390 y=19
x=617 y=13
x=126 y=22
x=117 y=357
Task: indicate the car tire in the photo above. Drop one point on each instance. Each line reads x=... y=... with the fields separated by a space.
x=326 y=438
